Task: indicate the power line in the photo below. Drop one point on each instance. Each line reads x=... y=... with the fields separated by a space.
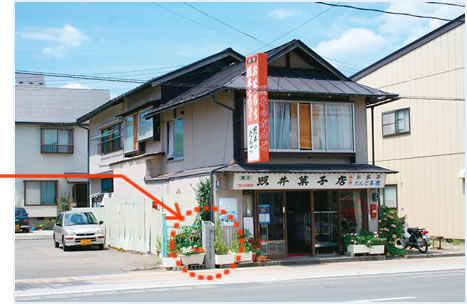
x=383 y=11
x=194 y=21
x=446 y=3
x=294 y=29
x=226 y=24
x=418 y=78
x=91 y=77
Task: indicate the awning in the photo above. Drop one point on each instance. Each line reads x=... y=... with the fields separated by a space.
x=73 y=180
x=306 y=176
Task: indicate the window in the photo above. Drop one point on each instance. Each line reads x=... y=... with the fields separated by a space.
x=107 y=185
x=175 y=139
x=396 y=122
x=390 y=196
x=311 y=126
x=131 y=134
x=56 y=141
x=145 y=126
x=111 y=139
x=40 y=193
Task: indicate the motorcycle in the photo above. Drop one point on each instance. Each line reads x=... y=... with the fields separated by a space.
x=415 y=238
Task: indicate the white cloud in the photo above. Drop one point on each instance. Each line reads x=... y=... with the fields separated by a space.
x=282 y=13
x=75 y=85
x=355 y=41
x=62 y=38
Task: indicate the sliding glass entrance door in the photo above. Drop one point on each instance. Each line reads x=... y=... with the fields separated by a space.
x=272 y=223
x=326 y=225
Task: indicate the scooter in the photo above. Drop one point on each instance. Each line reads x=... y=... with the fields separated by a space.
x=415 y=238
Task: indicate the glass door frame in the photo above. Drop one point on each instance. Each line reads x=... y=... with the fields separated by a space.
x=364 y=207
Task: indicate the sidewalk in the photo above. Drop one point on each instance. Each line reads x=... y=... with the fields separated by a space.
x=34 y=235
x=151 y=279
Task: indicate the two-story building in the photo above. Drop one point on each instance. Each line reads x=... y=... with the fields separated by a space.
x=421 y=135
x=189 y=125
x=48 y=140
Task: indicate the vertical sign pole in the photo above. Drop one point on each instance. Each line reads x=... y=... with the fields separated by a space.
x=257 y=110
x=208 y=244
x=164 y=236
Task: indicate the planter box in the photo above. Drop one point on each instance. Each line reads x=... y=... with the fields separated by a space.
x=224 y=259
x=246 y=257
x=194 y=259
x=377 y=249
x=356 y=249
x=170 y=262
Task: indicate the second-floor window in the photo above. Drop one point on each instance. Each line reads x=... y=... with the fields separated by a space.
x=311 y=126
x=396 y=122
x=111 y=139
x=56 y=141
x=137 y=129
x=175 y=139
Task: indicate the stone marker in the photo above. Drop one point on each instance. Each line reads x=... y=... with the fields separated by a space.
x=208 y=244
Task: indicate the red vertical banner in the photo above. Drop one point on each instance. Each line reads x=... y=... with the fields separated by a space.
x=257 y=113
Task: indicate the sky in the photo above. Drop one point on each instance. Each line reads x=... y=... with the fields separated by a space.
x=147 y=39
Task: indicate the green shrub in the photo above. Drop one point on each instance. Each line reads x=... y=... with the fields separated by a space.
x=391 y=228
x=220 y=247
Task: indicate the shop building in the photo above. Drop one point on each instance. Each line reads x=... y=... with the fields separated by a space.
x=317 y=184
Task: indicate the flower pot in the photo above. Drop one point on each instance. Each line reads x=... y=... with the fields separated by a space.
x=261 y=258
x=194 y=259
x=377 y=249
x=254 y=257
x=356 y=249
x=246 y=256
x=224 y=259
x=170 y=262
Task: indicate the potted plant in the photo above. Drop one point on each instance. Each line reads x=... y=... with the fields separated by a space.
x=363 y=242
x=242 y=247
x=192 y=255
x=256 y=246
x=223 y=255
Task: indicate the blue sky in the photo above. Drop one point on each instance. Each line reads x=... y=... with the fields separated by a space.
x=143 y=40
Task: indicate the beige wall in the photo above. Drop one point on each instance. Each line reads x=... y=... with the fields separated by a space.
x=430 y=81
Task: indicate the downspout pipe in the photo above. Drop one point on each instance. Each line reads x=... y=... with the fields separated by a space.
x=211 y=174
x=87 y=163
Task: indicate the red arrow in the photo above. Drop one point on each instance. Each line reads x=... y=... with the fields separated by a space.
x=177 y=215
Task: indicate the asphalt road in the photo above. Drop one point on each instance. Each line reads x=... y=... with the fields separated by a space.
x=432 y=286
x=40 y=259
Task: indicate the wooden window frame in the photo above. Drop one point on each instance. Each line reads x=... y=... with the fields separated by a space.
x=40 y=203
x=57 y=145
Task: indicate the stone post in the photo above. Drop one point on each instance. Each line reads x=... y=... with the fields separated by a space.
x=208 y=244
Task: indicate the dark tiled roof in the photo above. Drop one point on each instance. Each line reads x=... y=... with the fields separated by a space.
x=410 y=47
x=307 y=168
x=167 y=77
x=40 y=104
x=279 y=80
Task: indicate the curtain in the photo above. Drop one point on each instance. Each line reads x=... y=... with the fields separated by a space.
x=170 y=138
x=33 y=193
x=285 y=126
x=178 y=138
x=48 y=193
x=339 y=127
x=128 y=143
x=319 y=127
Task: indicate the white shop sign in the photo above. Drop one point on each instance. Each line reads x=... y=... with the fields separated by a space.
x=274 y=181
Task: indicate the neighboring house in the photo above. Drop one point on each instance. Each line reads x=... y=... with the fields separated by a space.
x=421 y=135
x=189 y=124
x=49 y=141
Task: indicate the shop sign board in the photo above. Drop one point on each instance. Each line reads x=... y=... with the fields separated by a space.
x=274 y=181
x=257 y=113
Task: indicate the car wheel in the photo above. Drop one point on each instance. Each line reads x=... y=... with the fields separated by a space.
x=65 y=248
x=55 y=242
x=101 y=246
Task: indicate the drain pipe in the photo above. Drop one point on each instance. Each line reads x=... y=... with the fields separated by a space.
x=211 y=174
x=87 y=163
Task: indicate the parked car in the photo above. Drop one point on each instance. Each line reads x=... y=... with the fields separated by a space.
x=78 y=228
x=21 y=220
